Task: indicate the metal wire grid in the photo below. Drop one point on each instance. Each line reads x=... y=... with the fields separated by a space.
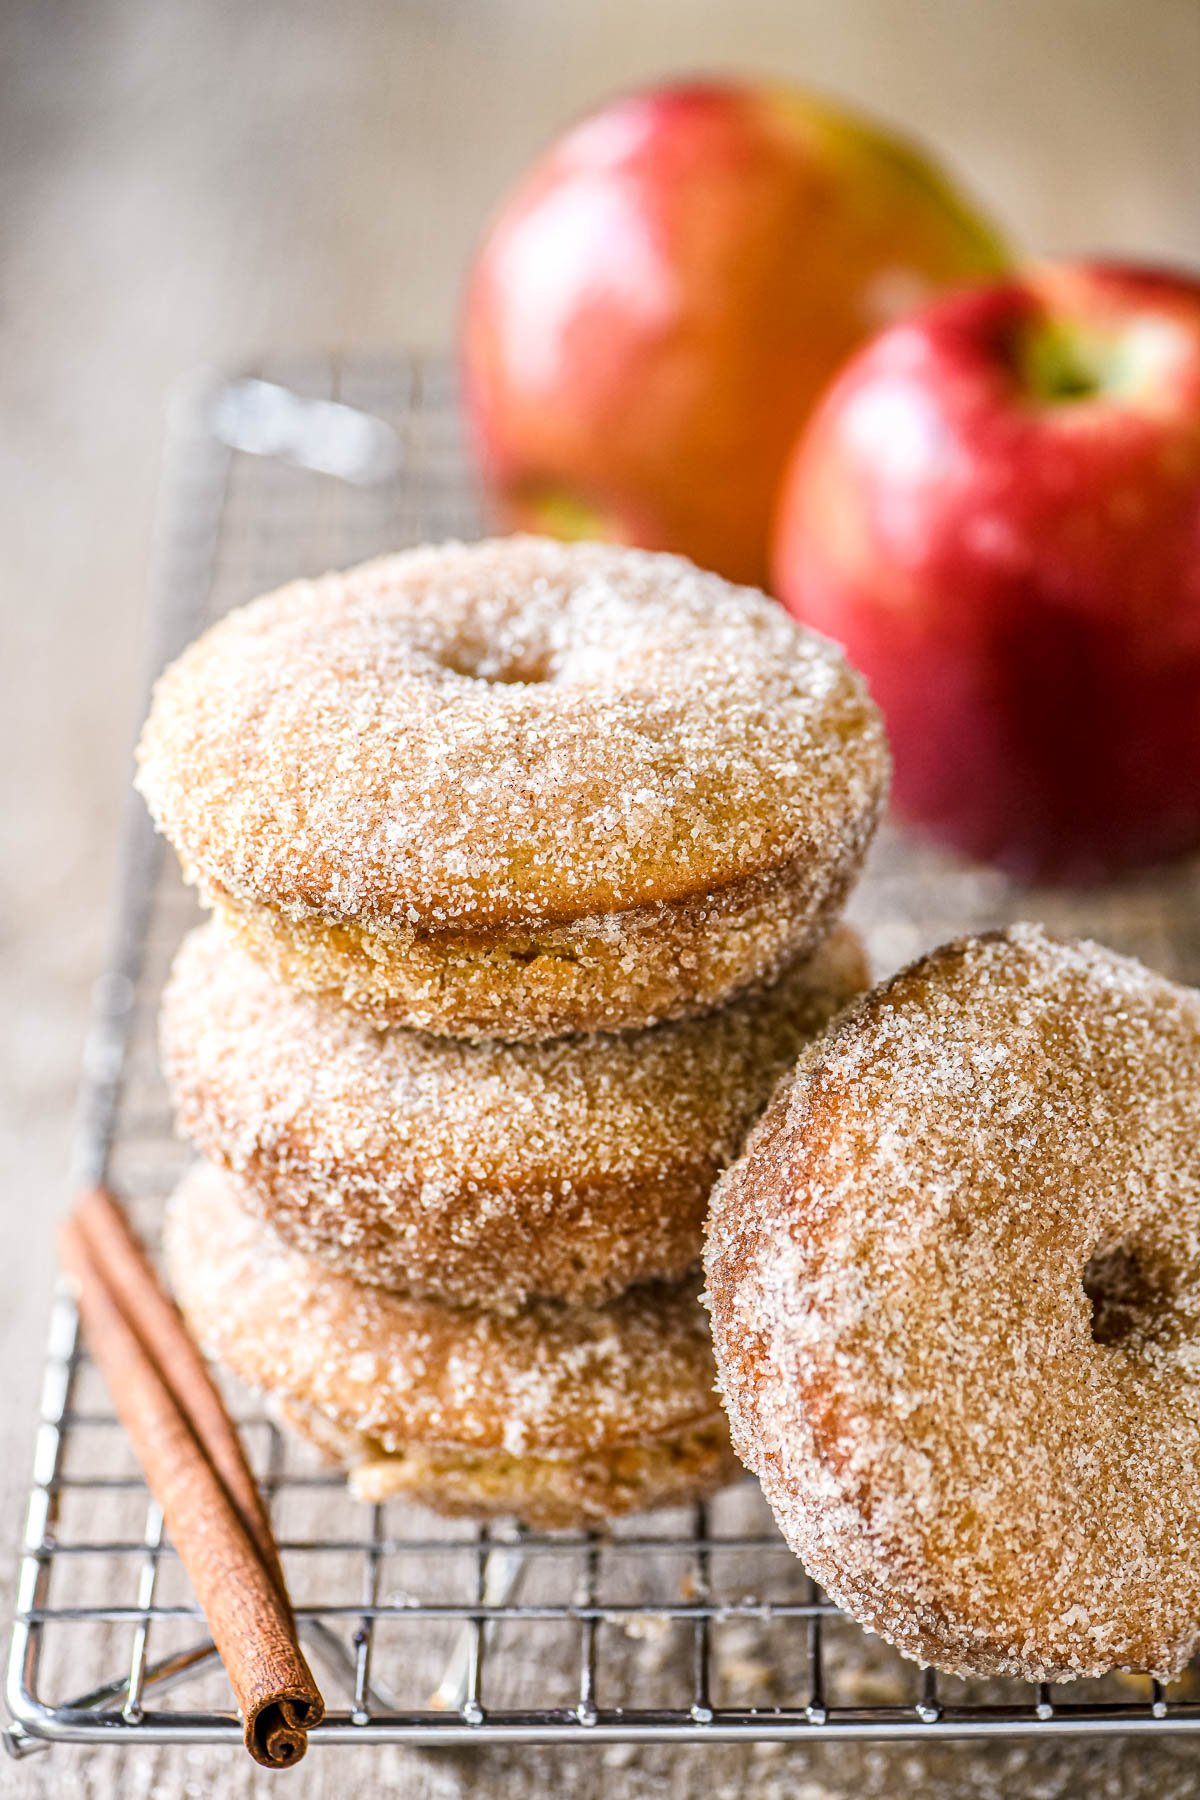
x=680 y=1626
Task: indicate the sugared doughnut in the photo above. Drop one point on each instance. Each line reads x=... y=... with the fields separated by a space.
x=559 y=1415
x=483 y=1173
x=955 y=1291
x=518 y=788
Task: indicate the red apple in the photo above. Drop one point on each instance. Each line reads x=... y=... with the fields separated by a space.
x=996 y=509
x=659 y=302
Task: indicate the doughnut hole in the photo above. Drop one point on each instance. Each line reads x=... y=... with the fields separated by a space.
x=499 y=664
x=1132 y=1299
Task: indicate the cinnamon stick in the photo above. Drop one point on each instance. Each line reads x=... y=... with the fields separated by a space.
x=195 y=1468
x=156 y=1319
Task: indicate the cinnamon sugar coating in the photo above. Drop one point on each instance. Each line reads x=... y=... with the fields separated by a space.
x=517 y=788
x=955 y=1291
x=614 y=972
x=471 y=1388
x=479 y=1174
x=549 y=1493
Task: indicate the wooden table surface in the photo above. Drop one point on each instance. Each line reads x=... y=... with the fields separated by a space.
x=193 y=183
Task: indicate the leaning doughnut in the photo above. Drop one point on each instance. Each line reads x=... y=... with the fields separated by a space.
x=562 y=1416
x=955 y=1290
x=519 y=788
x=479 y=1174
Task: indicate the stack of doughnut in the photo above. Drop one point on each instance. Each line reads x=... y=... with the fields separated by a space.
x=525 y=863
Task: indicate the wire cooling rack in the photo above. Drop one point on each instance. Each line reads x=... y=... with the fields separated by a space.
x=682 y=1625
